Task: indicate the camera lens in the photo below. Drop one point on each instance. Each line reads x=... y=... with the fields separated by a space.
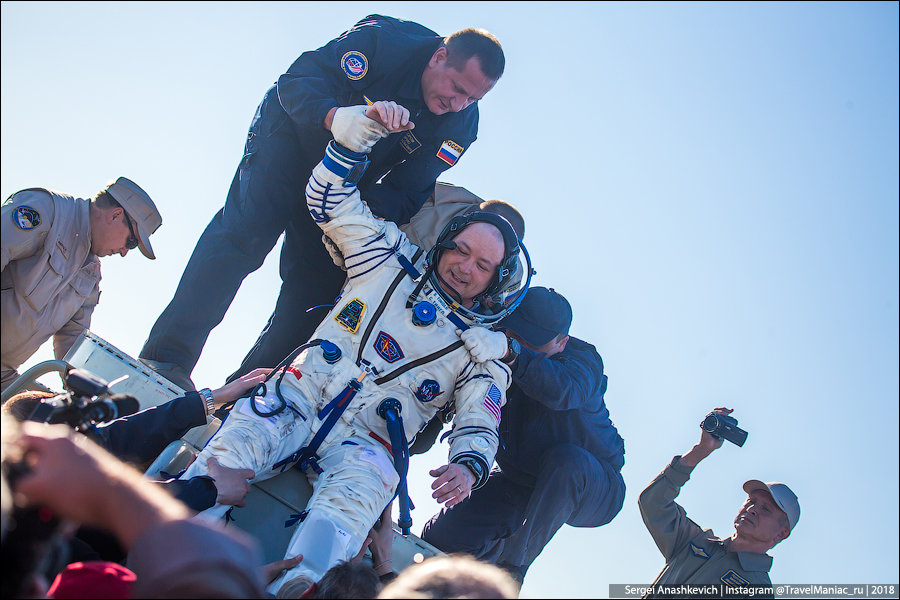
x=711 y=423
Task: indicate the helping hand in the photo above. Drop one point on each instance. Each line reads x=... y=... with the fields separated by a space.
x=355 y=131
x=232 y=485
x=391 y=115
x=273 y=569
x=453 y=484
x=483 y=344
x=240 y=386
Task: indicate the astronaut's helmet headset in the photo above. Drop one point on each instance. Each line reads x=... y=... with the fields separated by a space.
x=506 y=290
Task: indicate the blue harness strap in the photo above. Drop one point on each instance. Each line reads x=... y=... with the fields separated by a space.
x=306 y=455
x=389 y=410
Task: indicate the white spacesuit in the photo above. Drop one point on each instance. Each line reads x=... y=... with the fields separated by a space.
x=385 y=353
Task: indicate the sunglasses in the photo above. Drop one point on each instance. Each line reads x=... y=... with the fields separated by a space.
x=132 y=242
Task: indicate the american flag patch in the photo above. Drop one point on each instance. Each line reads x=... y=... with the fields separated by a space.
x=492 y=401
x=450 y=152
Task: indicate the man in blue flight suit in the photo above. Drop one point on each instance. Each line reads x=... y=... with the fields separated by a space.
x=433 y=84
x=560 y=457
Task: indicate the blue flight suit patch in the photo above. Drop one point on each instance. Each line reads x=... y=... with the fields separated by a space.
x=388 y=348
x=26 y=218
x=355 y=65
x=428 y=390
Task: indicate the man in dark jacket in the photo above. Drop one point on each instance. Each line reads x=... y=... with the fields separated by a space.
x=560 y=457
x=433 y=84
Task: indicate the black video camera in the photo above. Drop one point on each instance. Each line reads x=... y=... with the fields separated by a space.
x=724 y=427
x=86 y=403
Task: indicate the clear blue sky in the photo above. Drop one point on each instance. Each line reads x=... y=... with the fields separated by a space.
x=714 y=186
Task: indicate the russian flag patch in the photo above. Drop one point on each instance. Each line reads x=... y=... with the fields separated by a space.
x=492 y=401
x=450 y=152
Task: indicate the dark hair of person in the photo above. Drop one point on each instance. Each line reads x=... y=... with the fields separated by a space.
x=508 y=212
x=348 y=580
x=104 y=199
x=464 y=44
x=22 y=404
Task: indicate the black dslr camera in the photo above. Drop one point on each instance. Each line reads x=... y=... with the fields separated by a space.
x=86 y=403
x=724 y=427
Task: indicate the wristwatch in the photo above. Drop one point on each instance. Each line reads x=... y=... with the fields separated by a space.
x=477 y=468
x=513 y=348
x=207 y=396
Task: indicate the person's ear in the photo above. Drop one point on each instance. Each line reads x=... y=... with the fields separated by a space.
x=563 y=342
x=782 y=535
x=439 y=57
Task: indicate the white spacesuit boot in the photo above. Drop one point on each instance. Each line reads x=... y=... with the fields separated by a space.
x=322 y=543
x=357 y=482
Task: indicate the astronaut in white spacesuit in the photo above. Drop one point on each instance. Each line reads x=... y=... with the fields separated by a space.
x=404 y=340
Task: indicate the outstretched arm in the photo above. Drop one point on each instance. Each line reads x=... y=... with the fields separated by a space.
x=334 y=204
x=666 y=520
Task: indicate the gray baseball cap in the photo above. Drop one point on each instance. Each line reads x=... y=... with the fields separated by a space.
x=137 y=203
x=783 y=496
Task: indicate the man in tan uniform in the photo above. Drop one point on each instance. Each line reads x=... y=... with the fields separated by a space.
x=50 y=266
x=696 y=556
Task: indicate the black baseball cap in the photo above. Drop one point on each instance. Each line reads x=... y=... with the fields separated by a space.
x=542 y=315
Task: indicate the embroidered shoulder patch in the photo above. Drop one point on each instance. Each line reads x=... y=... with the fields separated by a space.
x=388 y=348
x=355 y=65
x=698 y=551
x=410 y=143
x=26 y=218
x=351 y=315
x=428 y=390
x=734 y=580
x=450 y=152
x=492 y=401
